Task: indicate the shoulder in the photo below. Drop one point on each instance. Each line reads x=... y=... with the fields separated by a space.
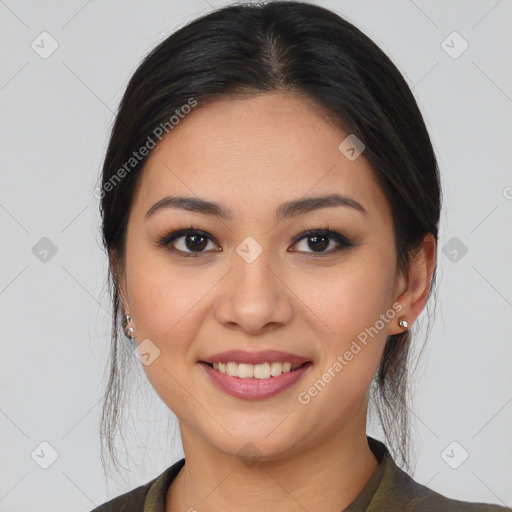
x=422 y=499
x=433 y=501
x=132 y=501
x=393 y=489
x=153 y=492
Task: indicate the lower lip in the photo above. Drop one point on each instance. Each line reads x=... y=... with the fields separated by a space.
x=255 y=389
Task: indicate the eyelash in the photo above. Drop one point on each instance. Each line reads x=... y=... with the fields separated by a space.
x=167 y=238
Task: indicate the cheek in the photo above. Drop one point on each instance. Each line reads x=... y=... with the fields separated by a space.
x=166 y=305
x=351 y=352
x=349 y=302
x=163 y=296
x=349 y=297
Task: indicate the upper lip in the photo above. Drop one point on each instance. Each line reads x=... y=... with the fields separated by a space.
x=264 y=356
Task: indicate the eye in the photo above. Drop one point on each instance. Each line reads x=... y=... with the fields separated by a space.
x=318 y=240
x=193 y=242
x=187 y=242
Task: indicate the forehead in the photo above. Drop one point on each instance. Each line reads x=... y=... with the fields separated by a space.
x=254 y=153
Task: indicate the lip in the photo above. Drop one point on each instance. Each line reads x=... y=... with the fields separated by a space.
x=252 y=388
x=263 y=356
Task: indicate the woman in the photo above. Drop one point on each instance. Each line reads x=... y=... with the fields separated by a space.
x=270 y=202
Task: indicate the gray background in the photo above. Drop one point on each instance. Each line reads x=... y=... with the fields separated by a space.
x=56 y=114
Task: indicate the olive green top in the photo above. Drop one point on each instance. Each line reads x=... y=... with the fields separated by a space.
x=389 y=490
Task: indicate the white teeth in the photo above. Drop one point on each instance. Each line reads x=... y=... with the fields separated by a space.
x=275 y=369
x=262 y=371
x=232 y=369
x=257 y=371
x=245 y=371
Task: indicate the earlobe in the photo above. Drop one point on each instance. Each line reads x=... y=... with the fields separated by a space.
x=415 y=289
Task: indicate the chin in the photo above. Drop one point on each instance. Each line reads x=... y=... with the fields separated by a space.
x=262 y=443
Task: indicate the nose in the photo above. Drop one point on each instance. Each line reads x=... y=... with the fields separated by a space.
x=253 y=298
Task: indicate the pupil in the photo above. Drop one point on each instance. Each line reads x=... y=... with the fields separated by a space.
x=316 y=238
x=194 y=239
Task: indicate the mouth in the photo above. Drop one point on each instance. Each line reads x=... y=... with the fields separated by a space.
x=255 y=381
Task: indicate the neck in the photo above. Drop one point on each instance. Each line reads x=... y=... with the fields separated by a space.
x=324 y=477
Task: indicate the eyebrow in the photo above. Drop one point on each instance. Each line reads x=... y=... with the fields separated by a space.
x=284 y=211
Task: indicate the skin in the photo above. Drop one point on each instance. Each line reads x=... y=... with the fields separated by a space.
x=251 y=155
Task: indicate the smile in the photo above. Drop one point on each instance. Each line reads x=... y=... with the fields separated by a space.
x=255 y=382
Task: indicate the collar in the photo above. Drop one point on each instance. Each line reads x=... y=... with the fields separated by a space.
x=385 y=475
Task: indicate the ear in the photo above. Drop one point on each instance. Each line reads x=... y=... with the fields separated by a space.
x=412 y=292
x=117 y=271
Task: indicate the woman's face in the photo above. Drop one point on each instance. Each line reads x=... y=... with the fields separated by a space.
x=254 y=284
